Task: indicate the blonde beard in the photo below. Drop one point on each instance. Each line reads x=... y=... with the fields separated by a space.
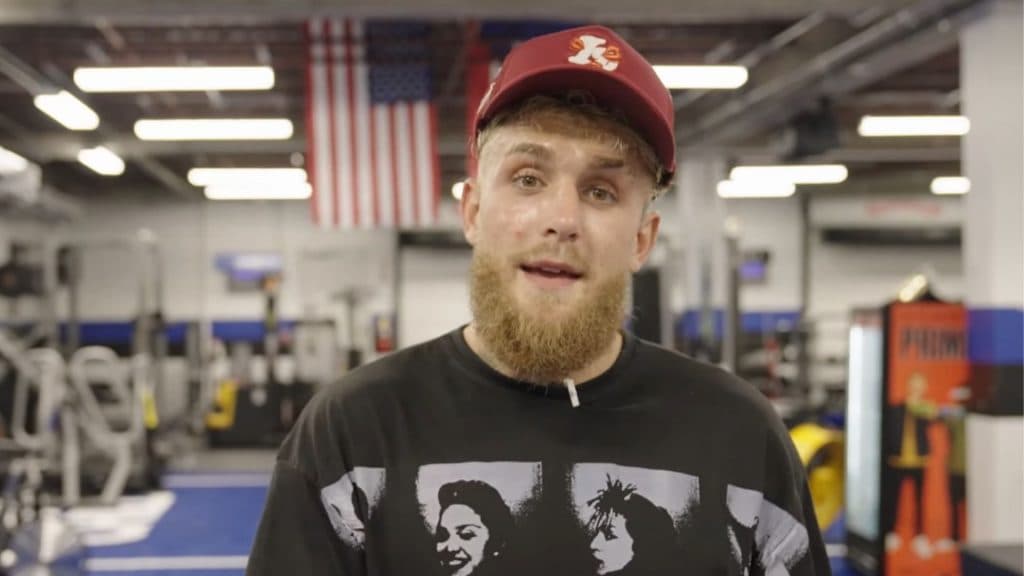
x=533 y=346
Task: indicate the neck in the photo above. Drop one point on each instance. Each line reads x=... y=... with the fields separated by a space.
x=599 y=366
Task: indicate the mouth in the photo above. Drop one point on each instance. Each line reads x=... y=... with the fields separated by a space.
x=454 y=563
x=551 y=273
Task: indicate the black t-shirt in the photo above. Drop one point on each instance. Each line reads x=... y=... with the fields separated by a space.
x=430 y=462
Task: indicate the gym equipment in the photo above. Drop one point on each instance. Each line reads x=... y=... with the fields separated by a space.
x=19 y=278
x=111 y=414
x=256 y=397
x=821 y=451
x=89 y=422
x=81 y=420
x=35 y=539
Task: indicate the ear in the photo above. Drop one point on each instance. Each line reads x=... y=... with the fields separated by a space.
x=469 y=208
x=645 y=239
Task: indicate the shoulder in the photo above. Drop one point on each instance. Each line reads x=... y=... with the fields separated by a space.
x=706 y=385
x=360 y=406
x=385 y=378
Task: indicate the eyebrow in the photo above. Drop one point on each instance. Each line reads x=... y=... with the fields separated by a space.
x=530 y=149
x=607 y=162
x=544 y=154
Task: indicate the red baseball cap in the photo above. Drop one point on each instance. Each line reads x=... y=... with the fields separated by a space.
x=595 y=59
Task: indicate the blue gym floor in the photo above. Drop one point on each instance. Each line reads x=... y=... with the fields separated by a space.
x=209 y=530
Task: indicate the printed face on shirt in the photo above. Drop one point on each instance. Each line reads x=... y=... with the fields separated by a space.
x=612 y=546
x=461 y=540
x=558 y=225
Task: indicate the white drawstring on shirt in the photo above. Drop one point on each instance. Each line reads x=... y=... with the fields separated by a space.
x=574 y=399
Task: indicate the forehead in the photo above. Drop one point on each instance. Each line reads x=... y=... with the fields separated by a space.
x=460 y=513
x=546 y=142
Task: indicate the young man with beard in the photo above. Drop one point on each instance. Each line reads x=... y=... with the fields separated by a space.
x=543 y=394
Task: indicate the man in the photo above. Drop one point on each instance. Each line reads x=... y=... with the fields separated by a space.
x=543 y=394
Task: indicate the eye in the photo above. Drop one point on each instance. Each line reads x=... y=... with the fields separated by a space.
x=527 y=180
x=609 y=534
x=442 y=534
x=467 y=533
x=602 y=195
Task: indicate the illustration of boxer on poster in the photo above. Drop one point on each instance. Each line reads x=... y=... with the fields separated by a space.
x=923 y=507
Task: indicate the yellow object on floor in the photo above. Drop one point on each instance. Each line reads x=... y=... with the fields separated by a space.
x=225 y=401
x=822 y=452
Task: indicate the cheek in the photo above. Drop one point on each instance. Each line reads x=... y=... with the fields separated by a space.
x=508 y=221
x=614 y=246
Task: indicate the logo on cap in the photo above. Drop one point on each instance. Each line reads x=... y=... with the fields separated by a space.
x=592 y=51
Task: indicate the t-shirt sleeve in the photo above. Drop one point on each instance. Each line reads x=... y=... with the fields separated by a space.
x=787 y=535
x=295 y=535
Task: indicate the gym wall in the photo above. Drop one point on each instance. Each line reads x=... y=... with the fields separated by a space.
x=192 y=234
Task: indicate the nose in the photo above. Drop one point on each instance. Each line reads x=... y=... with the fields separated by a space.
x=563 y=212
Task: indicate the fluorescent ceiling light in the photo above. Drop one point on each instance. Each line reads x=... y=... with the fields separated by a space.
x=913 y=288
x=211 y=176
x=271 y=191
x=797 y=174
x=457 y=189
x=951 y=185
x=71 y=112
x=914 y=126
x=11 y=163
x=752 y=189
x=102 y=161
x=701 y=77
x=174 y=78
x=218 y=129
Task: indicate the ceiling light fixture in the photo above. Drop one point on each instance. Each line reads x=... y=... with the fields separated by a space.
x=102 y=161
x=212 y=176
x=254 y=191
x=11 y=163
x=951 y=185
x=751 y=189
x=882 y=126
x=795 y=174
x=457 y=189
x=702 y=77
x=65 y=108
x=215 y=129
x=174 y=78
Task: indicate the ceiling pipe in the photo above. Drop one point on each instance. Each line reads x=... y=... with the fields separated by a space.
x=710 y=127
x=35 y=83
x=758 y=54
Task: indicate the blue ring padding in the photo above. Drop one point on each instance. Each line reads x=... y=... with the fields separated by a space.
x=995 y=336
x=115 y=333
x=688 y=325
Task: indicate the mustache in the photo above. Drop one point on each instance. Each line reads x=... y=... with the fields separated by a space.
x=566 y=254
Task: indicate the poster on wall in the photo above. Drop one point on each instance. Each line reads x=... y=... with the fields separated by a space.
x=923 y=509
x=249 y=271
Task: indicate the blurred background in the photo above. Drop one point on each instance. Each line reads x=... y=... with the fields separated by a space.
x=210 y=210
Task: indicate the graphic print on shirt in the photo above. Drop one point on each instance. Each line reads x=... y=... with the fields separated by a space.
x=763 y=536
x=351 y=501
x=472 y=510
x=633 y=516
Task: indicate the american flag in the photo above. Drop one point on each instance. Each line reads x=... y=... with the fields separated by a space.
x=371 y=126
